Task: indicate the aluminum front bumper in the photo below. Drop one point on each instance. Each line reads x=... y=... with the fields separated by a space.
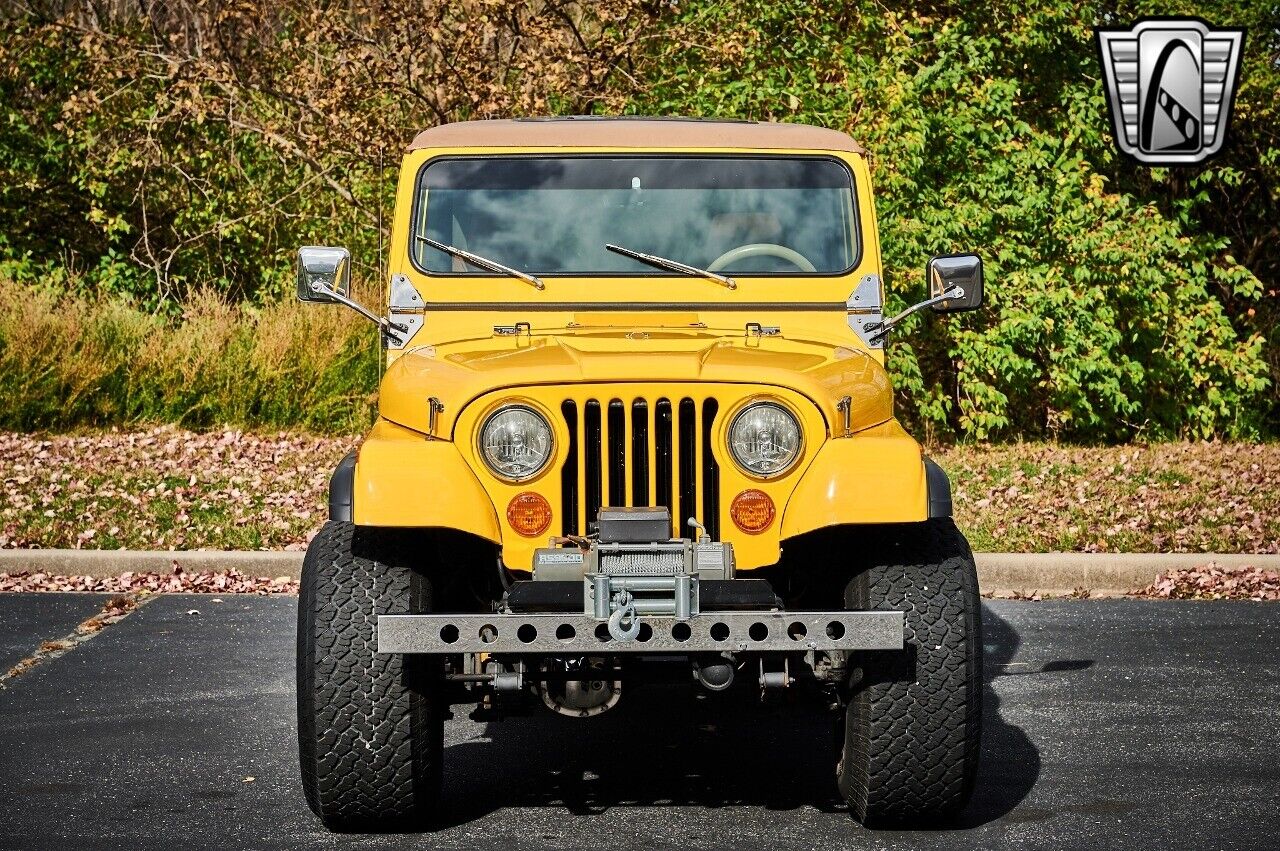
x=578 y=634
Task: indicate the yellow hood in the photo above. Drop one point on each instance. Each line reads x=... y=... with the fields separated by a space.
x=455 y=373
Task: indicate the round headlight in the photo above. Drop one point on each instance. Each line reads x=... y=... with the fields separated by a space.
x=764 y=438
x=516 y=442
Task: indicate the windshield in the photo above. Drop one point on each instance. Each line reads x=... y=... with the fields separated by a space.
x=554 y=215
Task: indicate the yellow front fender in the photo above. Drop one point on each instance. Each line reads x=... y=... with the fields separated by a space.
x=875 y=476
x=403 y=478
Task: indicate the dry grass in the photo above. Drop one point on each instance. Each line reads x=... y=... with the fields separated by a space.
x=68 y=362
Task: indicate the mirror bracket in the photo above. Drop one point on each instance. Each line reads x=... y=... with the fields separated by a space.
x=880 y=329
x=955 y=286
x=403 y=329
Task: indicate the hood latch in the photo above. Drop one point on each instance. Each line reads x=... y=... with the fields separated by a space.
x=513 y=330
x=755 y=329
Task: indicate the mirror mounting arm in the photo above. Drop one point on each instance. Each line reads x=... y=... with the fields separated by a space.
x=883 y=328
x=391 y=329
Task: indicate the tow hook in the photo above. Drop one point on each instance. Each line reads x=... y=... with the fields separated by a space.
x=624 y=613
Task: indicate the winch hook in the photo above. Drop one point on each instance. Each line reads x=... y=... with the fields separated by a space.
x=626 y=611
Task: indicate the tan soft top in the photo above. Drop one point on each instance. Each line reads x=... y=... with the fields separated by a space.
x=627 y=132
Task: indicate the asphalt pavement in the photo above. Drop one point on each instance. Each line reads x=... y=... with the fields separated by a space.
x=1109 y=724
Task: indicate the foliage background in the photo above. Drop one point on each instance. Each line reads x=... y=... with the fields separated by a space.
x=157 y=160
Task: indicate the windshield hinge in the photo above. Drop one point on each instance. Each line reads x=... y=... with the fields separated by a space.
x=866 y=311
x=406 y=312
x=404 y=296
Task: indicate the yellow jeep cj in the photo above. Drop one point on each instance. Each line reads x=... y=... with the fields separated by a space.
x=635 y=422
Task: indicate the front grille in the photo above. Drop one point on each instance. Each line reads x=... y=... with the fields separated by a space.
x=640 y=452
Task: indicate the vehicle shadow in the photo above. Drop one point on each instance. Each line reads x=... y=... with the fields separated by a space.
x=1010 y=763
x=675 y=746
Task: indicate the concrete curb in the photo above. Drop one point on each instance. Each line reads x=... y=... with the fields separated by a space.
x=98 y=563
x=1002 y=574
x=1102 y=574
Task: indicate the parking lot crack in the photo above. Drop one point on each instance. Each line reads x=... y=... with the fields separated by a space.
x=116 y=609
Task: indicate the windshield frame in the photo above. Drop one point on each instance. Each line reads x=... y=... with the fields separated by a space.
x=856 y=232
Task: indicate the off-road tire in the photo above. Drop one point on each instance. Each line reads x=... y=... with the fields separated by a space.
x=913 y=722
x=370 y=726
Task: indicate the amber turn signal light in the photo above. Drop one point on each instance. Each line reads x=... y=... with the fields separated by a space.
x=752 y=511
x=529 y=514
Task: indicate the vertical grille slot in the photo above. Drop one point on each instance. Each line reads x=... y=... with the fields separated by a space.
x=638 y=452
x=616 y=457
x=710 y=473
x=591 y=441
x=687 y=478
x=662 y=446
x=569 y=473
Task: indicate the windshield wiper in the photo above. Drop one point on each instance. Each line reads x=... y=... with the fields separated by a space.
x=672 y=265
x=483 y=262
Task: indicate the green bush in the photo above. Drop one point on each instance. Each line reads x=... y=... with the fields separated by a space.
x=1103 y=318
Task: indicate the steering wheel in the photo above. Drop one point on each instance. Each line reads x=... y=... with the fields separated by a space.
x=762 y=249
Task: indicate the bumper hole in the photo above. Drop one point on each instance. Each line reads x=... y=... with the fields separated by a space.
x=796 y=631
x=719 y=631
x=835 y=630
x=449 y=633
x=758 y=631
x=488 y=633
x=681 y=631
x=566 y=632
x=646 y=632
x=527 y=633
x=602 y=631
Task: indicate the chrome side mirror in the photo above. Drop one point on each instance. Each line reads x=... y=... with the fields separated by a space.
x=324 y=276
x=323 y=272
x=945 y=273
x=955 y=285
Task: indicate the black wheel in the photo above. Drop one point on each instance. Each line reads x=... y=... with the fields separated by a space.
x=913 y=722
x=370 y=726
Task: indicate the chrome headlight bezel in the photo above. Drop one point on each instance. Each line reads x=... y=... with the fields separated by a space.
x=777 y=471
x=489 y=421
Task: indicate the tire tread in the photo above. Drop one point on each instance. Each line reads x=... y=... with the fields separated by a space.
x=369 y=734
x=913 y=724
